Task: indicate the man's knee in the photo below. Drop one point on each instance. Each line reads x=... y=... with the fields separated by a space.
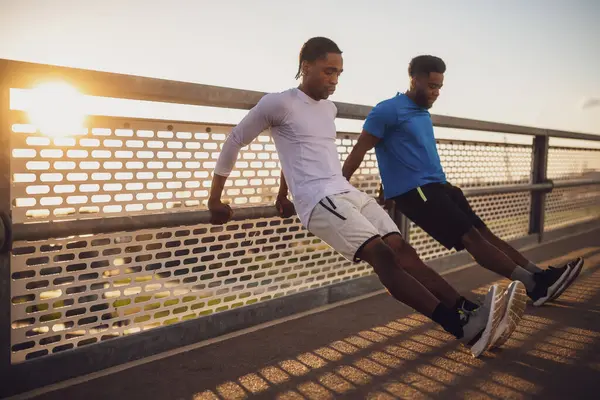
x=378 y=254
x=399 y=245
x=485 y=232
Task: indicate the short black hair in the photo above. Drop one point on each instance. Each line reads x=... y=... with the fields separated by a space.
x=426 y=64
x=316 y=48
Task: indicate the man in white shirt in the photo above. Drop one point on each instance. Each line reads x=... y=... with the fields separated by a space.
x=302 y=123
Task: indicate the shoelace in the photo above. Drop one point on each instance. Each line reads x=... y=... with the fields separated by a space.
x=478 y=302
x=464 y=315
x=569 y=264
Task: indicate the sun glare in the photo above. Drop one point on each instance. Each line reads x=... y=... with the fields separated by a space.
x=55 y=108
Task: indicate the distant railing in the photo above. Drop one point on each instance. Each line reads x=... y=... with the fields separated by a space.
x=105 y=231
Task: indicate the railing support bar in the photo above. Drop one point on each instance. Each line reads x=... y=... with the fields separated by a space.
x=538 y=176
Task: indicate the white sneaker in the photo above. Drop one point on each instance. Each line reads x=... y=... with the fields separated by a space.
x=480 y=325
x=516 y=297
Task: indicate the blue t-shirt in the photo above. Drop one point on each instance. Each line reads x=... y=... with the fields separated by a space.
x=407 y=153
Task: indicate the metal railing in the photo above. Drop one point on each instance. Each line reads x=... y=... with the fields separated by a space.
x=84 y=266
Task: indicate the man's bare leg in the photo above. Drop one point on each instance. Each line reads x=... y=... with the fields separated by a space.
x=401 y=285
x=409 y=259
x=507 y=249
x=390 y=268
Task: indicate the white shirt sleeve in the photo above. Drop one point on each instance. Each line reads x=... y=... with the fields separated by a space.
x=269 y=111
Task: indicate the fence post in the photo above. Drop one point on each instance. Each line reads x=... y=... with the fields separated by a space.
x=400 y=219
x=5 y=156
x=403 y=223
x=539 y=175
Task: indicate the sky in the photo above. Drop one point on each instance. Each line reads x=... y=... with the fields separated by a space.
x=534 y=62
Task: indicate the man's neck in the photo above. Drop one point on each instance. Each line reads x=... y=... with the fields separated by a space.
x=411 y=94
x=303 y=90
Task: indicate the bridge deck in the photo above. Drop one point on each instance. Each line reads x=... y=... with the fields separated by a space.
x=378 y=349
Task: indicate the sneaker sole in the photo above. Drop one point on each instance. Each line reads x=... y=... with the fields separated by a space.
x=572 y=276
x=517 y=302
x=497 y=310
x=553 y=289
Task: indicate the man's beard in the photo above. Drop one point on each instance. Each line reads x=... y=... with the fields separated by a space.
x=421 y=99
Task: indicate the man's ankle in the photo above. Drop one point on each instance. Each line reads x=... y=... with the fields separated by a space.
x=448 y=319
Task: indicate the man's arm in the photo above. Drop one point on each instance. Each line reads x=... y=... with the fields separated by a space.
x=366 y=142
x=379 y=119
x=284 y=205
x=263 y=115
x=283 y=187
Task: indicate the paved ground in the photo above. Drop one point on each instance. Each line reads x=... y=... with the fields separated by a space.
x=378 y=349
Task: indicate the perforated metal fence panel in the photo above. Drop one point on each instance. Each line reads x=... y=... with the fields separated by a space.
x=471 y=164
x=571 y=163
x=135 y=168
x=71 y=292
x=566 y=206
x=569 y=206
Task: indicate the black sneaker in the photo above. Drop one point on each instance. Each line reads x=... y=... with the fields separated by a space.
x=576 y=265
x=547 y=283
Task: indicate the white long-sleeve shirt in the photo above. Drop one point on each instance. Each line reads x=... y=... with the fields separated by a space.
x=304 y=133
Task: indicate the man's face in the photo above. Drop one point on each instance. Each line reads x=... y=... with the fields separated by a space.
x=427 y=88
x=321 y=76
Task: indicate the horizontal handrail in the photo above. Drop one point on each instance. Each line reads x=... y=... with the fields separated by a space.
x=59 y=229
x=18 y=74
x=499 y=189
x=576 y=182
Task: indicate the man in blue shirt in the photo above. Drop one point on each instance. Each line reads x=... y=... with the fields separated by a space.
x=401 y=130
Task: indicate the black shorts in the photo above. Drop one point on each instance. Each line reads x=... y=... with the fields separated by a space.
x=442 y=211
